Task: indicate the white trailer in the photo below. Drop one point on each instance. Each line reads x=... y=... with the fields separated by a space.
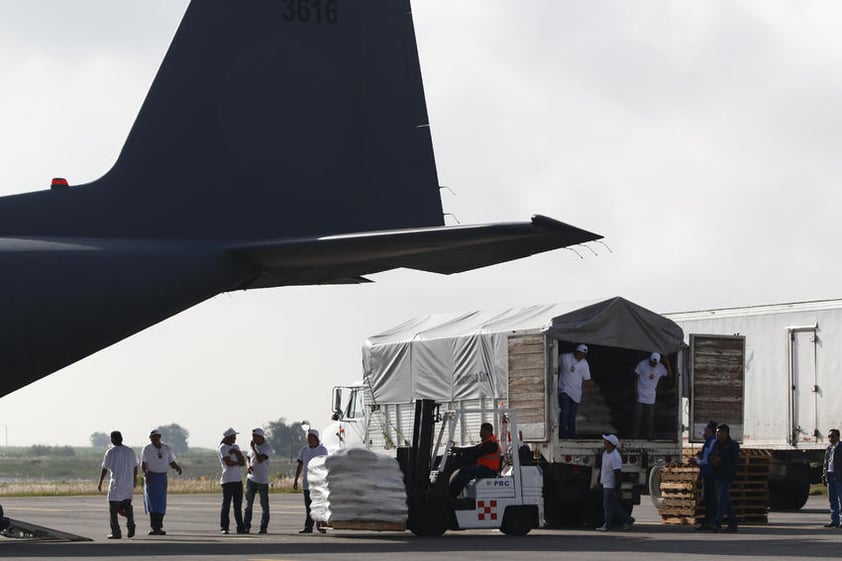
x=792 y=383
x=483 y=361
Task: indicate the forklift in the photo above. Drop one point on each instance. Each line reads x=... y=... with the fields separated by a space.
x=511 y=502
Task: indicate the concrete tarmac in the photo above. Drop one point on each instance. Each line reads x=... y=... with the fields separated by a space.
x=192 y=533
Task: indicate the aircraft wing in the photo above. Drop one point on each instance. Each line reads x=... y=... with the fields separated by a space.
x=448 y=249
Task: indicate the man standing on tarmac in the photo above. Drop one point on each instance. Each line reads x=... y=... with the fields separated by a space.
x=156 y=459
x=232 y=462
x=573 y=373
x=611 y=478
x=257 y=481
x=313 y=449
x=726 y=456
x=122 y=462
x=707 y=475
x=832 y=476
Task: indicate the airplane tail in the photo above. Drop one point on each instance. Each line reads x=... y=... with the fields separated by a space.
x=267 y=119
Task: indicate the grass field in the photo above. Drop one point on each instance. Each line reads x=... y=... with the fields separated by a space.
x=25 y=474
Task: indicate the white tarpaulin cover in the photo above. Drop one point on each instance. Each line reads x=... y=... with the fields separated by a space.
x=457 y=357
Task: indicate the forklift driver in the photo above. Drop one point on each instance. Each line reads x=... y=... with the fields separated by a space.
x=488 y=461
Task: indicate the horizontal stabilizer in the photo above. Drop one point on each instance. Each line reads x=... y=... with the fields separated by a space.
x=448 y=249
x=11 y=528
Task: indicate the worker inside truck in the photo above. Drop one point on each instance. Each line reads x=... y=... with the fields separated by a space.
x=486 y=459
x=611 y=406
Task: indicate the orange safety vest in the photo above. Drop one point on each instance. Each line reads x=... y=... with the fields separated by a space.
x=494 y=460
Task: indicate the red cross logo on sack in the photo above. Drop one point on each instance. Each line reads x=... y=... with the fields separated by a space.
x=487 y=508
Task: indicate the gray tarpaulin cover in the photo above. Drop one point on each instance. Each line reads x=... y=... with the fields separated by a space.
x=465 y=356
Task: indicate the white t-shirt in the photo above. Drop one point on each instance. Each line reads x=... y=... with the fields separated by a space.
x=830 y=463
x=157 y=460
x=304 y=456
x=121 y=461
x=610 y=462
x=647 y=380
x=571 y=374
x=260 y=470
x=230 y=474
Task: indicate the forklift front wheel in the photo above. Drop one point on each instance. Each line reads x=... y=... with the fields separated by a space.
x=519 y=520
x=430 y=520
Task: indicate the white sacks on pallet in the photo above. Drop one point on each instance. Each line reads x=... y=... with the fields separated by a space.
x=355 y=484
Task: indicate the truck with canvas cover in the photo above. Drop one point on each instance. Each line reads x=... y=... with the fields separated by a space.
x=510 y=359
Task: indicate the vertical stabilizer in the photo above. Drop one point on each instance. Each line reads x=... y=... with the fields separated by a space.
x=268 y=119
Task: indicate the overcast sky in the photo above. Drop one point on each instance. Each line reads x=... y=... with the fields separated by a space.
x=702 y=139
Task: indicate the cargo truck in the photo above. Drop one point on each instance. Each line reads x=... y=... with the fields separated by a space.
x=791 y=358
x=483 y=360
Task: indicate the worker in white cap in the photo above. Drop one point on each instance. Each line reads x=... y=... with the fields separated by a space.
x=647 y=374
x=232 y=461
x=611 y=479
x=257 y=481
x=313 y=449
x=573 y=373
x=155 y=461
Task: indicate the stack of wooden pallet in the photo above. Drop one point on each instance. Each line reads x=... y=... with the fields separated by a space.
x=682 y=494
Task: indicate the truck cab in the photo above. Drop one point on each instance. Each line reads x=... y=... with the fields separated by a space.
x=349 y=422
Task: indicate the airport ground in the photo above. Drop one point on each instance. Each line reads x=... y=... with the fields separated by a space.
x=192 y=525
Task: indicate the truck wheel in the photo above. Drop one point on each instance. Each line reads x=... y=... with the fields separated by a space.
x=519 y=520
x=655 y=486
x=788 y=494
x=594 y=515
x=431 y=519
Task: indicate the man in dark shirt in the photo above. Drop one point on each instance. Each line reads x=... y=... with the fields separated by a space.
x=832 y=476
x=706 y=473
x=488 y=459
x=726 y=455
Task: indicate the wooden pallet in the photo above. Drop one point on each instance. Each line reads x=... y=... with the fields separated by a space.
x=682 y=494
x=379 y=525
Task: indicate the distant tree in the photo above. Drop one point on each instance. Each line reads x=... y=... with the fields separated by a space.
x=42 y=450
x=100 y=440
x=286 y=439
x=176 y=436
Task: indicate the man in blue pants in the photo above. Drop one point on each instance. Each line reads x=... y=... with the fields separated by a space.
x=611 y=479
x=155 y=461
x=726 y=456
x=708 y=479
x=573 y=373
x=832 y=476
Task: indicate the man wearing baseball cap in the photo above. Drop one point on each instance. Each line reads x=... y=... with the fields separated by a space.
x=313 y=448
x=573 y=373
x=155 y=460
x=257 y=481
x=232 y=462
x=611 y=479
x=648 y=372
